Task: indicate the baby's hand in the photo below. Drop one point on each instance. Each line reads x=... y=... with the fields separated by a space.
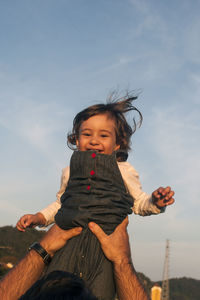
x=163 y=197
x=30 y=221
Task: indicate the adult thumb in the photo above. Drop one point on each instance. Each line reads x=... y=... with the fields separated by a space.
x=97 y=230
x=73 y=232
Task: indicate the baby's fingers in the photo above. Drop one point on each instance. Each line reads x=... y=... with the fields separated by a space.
x=164 y=191
x=168 y=196
x=171 y=194
x=20 y=226
x=24 y=222
x=157 y=193
x=169 y=202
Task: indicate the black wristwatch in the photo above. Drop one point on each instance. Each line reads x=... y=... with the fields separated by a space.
x=41 y=251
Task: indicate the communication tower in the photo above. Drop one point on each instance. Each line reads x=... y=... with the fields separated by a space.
x=165 y=282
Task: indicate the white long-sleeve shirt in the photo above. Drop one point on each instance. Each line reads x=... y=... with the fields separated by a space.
x=142 y=202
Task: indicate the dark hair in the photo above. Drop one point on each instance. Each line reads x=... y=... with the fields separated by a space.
x=115 y=109
x=59 y=285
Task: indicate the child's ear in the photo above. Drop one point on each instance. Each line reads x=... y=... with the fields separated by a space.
x=77 y=143
x=117 y=147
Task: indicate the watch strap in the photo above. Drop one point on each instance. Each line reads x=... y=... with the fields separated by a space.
x=41 y=251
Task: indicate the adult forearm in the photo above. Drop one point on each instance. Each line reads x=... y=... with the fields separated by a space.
x=127 y=283
x=21 y=277
x=29 y=269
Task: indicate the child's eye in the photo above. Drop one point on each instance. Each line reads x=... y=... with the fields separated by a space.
x=104 y=135
x=86 y=134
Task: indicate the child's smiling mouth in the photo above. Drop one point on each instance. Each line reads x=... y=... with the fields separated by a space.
x=97 y=150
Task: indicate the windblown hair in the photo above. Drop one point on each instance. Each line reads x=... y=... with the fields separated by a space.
x=115 y=109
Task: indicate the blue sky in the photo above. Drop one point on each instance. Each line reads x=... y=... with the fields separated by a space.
x=60 y=56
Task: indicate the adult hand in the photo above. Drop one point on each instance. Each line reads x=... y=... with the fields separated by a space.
x=117 y=249
x=163 y=197
x=56 y=238
x=30 y=268
x=116 y=245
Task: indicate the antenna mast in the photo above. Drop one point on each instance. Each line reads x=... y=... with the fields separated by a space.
x=165 y=282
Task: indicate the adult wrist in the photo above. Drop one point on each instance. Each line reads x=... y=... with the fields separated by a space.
x=122 y=263
x=40 y=250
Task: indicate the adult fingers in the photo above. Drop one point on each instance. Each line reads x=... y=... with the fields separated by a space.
x=123 y=225
x=56 y=238
x=100 y=234
x=125 y=222
x=55 y=231
x=98 y=231
x=72 y=232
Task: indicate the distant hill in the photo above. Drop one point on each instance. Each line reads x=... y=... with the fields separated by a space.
x=180 y=288
x=184 y=288
x=14 y=245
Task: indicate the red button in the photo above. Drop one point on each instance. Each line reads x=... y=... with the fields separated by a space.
x=88 y=187
x=93 y=155
x=92 y=172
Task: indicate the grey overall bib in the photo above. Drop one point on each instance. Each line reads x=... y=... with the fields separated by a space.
x=95 y=192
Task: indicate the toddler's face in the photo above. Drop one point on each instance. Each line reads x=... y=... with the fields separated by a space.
x=98 y=133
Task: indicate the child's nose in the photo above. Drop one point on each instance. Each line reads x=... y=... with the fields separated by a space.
x=94 y=141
